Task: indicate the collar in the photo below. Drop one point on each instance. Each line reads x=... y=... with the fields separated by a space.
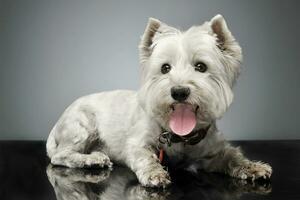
x=191 y=139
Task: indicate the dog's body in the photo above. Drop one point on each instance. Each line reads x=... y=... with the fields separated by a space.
x=187 y=80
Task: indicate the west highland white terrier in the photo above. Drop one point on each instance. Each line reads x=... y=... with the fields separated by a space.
x=187 y=80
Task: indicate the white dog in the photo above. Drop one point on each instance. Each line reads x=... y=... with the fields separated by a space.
x=187 y=80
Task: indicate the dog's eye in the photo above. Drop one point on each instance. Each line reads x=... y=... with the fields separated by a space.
x=165 y=68
x=200 y=67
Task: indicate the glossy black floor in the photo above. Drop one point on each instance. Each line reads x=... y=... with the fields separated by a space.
x=25 y=174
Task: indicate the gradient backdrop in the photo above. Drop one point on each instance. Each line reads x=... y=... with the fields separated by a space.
x=52 y=52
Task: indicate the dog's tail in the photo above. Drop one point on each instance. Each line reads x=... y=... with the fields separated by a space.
x=51 y=144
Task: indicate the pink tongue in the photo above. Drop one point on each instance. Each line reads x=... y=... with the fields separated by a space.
x=182 y=119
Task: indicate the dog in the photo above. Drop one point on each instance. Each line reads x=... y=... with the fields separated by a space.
x=186 y=85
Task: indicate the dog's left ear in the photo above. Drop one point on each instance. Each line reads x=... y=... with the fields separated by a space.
x=228 y=45
x=219 y=28
x=154 y=31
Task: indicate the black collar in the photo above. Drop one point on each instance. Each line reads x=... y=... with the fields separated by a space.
x=191 y=139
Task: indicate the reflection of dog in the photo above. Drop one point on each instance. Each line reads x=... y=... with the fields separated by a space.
x=121 y=184
x=187 y=80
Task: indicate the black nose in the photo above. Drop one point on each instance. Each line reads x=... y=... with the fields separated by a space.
x=180 y=93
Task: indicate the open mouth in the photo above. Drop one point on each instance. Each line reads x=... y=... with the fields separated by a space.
x=183 y=118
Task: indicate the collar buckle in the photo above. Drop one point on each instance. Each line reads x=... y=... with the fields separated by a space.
x=165 y=138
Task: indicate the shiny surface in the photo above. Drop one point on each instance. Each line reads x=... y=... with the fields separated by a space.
x=25 y=174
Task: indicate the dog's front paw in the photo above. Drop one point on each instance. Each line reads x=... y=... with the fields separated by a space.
x=253 y=170
x=156 y=177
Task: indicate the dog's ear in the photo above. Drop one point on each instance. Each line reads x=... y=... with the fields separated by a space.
x=228 y=45
x=147 y=38
x=154 y=31
x=219 y=28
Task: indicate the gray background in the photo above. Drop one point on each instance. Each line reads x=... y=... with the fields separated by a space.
x=52 y=52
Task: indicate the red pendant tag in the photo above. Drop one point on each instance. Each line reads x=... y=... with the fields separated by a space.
x=161 y=155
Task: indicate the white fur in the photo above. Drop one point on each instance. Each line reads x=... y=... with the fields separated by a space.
x=123 y=126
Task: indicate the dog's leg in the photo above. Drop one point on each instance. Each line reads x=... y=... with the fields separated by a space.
x=75 y=159
x=146 y=166
x=72 y=144
x=231 y=161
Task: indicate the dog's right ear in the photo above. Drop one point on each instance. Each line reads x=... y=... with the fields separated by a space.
x=147 y=38
x=155 y=29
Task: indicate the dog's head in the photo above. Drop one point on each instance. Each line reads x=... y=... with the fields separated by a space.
x=187 y=76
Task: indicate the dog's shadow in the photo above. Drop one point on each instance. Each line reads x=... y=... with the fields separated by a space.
x=121 y=183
